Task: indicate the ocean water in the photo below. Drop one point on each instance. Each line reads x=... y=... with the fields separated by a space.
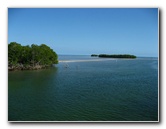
x=84 y=88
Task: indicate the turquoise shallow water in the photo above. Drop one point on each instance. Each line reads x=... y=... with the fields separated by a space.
x=104 y=90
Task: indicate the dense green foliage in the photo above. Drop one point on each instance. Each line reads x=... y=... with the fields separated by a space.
x=30 y=57
x=117 y=56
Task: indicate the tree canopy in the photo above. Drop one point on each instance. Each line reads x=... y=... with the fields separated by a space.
x=30 y=57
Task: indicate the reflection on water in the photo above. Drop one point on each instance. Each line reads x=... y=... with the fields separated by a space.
x=122 y=90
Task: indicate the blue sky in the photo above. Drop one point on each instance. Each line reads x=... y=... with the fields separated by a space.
x=84 y=31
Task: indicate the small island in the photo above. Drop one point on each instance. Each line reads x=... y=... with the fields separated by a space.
x=117 y=56
x=94 y=55
x=30 y=57
x=114 y=56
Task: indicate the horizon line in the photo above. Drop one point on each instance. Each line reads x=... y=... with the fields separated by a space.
x=97 y=54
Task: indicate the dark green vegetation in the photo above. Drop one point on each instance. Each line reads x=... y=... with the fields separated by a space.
x=117 y=56
x=30 y=57
x=94 y=55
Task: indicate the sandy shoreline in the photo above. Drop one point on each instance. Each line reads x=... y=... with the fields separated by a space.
x=103 y=59
x=90 y=60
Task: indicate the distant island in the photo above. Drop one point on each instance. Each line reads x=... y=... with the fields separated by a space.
x=30 y=57
x=94 y=55
x=114 y=56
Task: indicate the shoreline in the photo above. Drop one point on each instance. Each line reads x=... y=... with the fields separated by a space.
x=19 y=67
x=90 y=60
x=103 y=59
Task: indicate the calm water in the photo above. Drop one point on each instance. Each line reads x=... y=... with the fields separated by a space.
x=89 y=90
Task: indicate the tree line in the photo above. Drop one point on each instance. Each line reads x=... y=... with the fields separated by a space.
x=117 y=56
x=114 y=55
x=30 y=57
